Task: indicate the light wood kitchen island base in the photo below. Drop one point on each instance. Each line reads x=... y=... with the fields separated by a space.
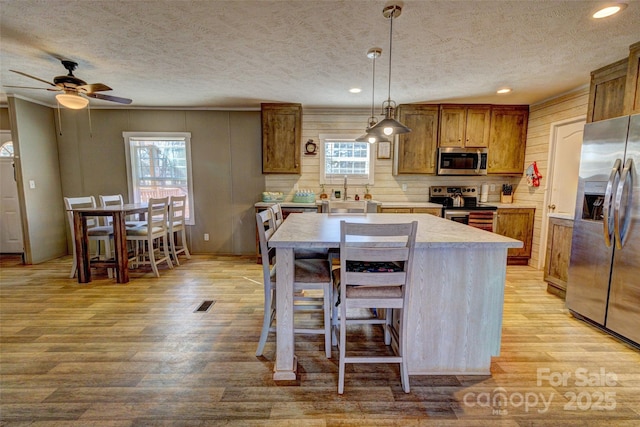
x=456 y=293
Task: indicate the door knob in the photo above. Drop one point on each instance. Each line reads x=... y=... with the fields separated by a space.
x=552 y=207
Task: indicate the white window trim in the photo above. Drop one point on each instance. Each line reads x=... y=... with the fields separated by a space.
x=158 y=136
x=351 y=180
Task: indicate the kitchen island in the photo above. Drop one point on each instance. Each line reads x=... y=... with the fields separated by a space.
x=456 y=293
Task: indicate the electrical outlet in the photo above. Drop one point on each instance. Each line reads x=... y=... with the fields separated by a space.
x=206 y=237
x=295 y=187
x=493 y=187
x=404 y=187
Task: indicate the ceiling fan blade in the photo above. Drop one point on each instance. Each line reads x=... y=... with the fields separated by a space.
x=109 y=98
x=30 y=87
x=32 y=77
x=93 y=87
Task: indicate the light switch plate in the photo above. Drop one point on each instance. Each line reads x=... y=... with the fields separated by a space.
x=32 y=184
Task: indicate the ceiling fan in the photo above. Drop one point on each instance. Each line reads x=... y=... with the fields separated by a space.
x=74 y=88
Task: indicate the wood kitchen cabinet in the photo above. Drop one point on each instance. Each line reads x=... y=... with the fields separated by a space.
x=507 y=139
x=632 y=87
x=464 y=125
x=416 y=151
x=556 y=265
x=281 y=136
x=430 y=211
x=607 y=92
x=516 y=223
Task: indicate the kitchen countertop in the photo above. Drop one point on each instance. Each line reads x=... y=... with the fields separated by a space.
x=323 y=230
x=561 y=215
x=410 y=205
x=515 y=205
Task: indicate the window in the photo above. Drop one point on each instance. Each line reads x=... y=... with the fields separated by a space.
x=159 y=165
x=6 y=149
x=342 y=156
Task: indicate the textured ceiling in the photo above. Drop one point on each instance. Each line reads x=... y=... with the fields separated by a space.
x=236 y=53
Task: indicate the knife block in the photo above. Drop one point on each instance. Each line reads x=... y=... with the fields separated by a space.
x=506 y=198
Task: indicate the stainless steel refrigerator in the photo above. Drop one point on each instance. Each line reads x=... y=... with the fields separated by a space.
x=604 y=271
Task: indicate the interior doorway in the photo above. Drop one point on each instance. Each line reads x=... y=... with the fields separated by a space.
x=11 y=240
x=565 y=144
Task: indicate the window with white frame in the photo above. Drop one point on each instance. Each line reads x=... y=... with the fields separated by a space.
x=159 y=165
x=342 y=156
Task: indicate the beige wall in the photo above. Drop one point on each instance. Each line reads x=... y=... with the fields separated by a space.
x=226 y=166
x=387 y=188
x=541 y=116
x=36 y=159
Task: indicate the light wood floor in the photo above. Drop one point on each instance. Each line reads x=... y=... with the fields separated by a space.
x=104 y=354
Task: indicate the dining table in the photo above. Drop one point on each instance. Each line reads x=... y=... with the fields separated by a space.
x=456 y=292
x=120 y=261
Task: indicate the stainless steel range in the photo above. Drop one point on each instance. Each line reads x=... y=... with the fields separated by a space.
x=458 y=201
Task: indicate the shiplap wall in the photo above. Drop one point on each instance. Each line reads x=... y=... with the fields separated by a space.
x=541 y=116
x=386 y=187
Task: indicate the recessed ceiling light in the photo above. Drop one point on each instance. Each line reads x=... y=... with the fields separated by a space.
x=355 y=90
x=610 y=9
x=504 y=90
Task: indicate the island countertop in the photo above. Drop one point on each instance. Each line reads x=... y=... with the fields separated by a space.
x=323 y=230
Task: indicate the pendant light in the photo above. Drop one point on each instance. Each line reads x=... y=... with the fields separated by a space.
x=369 y=137
x=389 y=125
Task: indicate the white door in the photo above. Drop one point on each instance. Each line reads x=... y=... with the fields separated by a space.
x=10 y=224
x=565 y=151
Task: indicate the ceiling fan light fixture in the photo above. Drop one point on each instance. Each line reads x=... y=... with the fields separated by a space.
x=72 y=101
x=608 y=10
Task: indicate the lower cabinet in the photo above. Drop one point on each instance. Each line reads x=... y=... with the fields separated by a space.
x=517 y=223
x=430 y=211
x=556 y=264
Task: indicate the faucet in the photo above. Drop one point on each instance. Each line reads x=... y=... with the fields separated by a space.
x=345 y=188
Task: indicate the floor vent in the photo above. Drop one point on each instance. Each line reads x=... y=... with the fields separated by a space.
x=205 y=306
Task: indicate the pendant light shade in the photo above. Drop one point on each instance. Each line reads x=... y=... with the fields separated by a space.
x=389 y=125
x=72 y=101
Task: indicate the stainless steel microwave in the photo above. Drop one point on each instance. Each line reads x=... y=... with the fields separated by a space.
x=462 y=161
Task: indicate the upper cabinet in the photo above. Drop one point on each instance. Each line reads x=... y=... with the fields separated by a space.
x=632 y=92
x=615 y=89
x=464 y=125
x=416 y=150
x=606 y=94
x=281 y=136
x=507 y=139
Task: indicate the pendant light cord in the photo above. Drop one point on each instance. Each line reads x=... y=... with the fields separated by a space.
x=373 y=88
x=390 y=51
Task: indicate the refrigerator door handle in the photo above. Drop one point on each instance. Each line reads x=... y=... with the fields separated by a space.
x=626 y=180
x=608 y=203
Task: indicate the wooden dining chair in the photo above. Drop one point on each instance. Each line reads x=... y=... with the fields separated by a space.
x=375 y=276
x=278 y=218
x=117 y=200
x=309 y=274
x=96 y=232
x=153 y=237
x=176 y=224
